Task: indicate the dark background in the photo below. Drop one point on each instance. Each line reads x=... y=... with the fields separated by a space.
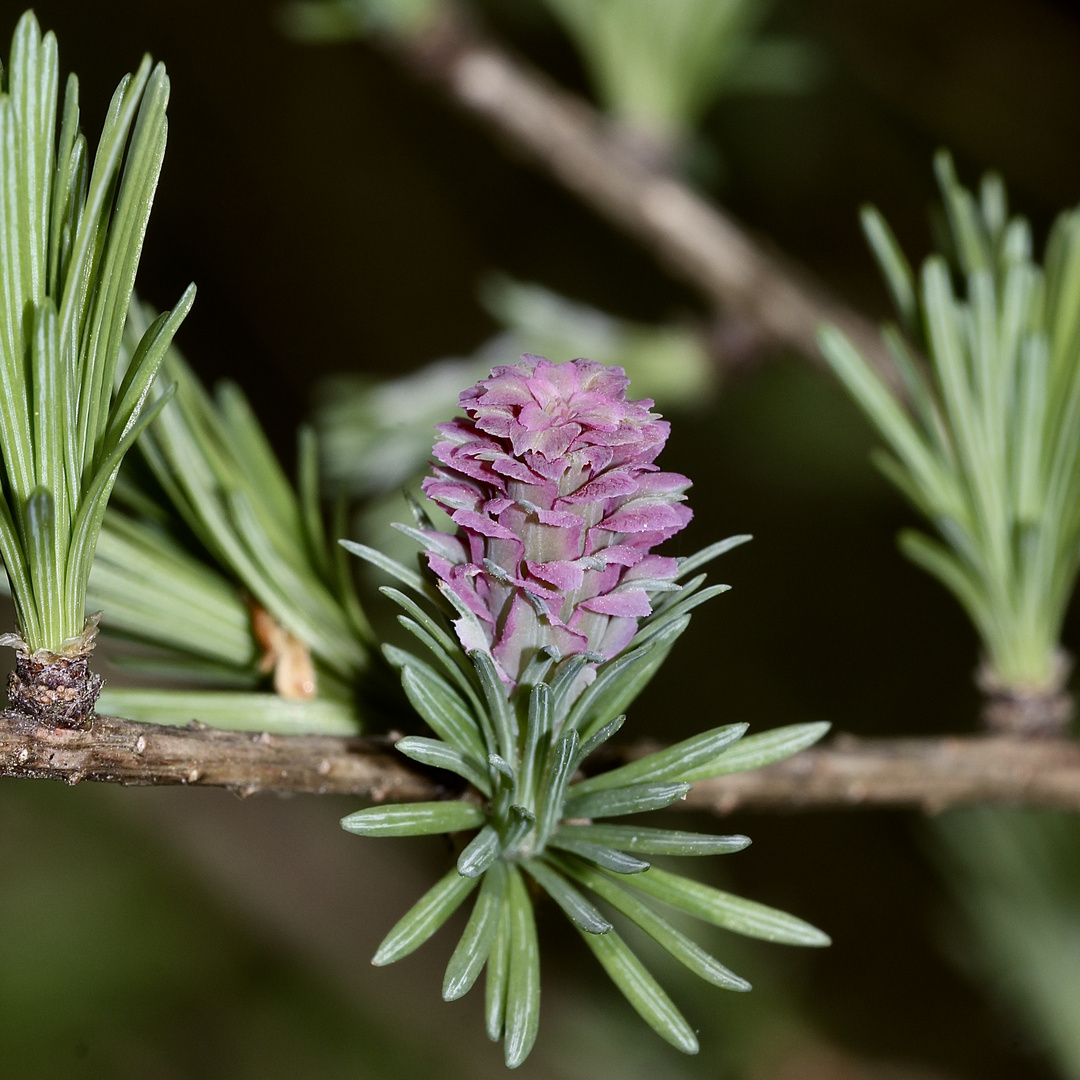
x=337 y=217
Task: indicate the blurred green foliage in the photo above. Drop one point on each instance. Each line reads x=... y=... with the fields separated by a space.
x=117 y=963
x=658 y=67
x=1015 y=878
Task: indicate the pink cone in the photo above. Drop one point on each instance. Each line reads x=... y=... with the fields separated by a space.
x=551 y=482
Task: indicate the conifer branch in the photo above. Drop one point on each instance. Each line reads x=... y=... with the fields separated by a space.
x=142 y=755
x=931 y=774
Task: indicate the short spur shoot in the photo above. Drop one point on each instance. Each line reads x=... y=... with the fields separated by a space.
x=542 y=618
x=986 y=442
x=71 y=234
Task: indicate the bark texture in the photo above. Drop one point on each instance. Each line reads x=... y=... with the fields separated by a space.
x=124 y=752
x=930 y=774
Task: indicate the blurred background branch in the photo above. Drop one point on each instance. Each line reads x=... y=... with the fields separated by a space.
x=691 y=236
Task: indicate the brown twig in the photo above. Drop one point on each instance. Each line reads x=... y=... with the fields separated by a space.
x=694 y=238
x=925 y=773
x=124 y=752
x=931 y=774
